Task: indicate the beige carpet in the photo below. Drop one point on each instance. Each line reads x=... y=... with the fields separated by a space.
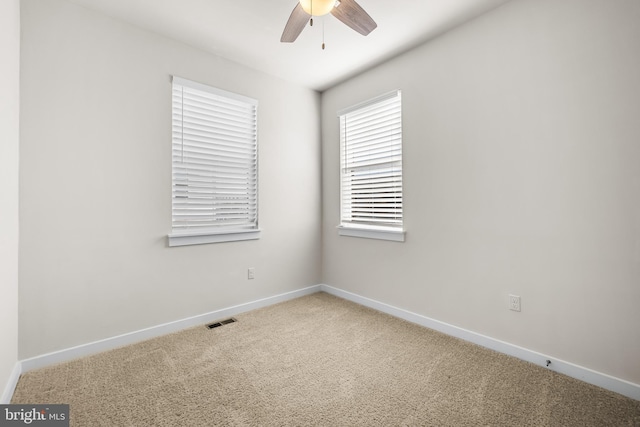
x=318 y=360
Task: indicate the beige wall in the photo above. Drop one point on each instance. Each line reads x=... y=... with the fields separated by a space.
x=96 y=176
x=522 y=175
x=9 y=148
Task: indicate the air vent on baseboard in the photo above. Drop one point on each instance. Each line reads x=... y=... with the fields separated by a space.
x=221 y=323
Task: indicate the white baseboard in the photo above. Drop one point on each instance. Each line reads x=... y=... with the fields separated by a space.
x=156 y=331
x=11 y=384
x=587 y=375
x=599 y=379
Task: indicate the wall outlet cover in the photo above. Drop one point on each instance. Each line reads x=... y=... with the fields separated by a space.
x=514 y=302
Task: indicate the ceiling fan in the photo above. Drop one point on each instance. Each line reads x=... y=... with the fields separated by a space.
x=347 y=11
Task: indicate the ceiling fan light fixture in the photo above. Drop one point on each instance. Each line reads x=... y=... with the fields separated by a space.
x=317 y=7
x=349 y=12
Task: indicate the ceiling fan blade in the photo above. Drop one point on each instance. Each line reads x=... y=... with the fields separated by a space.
x=296 y=23
x=352 y=14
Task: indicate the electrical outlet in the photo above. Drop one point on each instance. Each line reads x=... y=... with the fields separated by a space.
x=251 y=273
x=514 y=302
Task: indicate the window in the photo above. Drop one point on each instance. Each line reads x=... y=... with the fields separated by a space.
x=214 y=165
x=371 y=169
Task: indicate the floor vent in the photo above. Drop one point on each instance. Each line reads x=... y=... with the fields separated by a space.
x=221 y=323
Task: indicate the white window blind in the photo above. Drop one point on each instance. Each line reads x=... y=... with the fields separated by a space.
x=215 y=161
x=371 y=164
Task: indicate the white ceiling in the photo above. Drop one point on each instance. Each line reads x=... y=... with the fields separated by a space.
x=248 y=32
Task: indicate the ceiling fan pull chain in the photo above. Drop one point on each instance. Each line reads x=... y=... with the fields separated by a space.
x=311 y=21
x=323 y=33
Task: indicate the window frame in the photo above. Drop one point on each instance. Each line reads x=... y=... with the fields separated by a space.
x=361 y=229
x=184 y=235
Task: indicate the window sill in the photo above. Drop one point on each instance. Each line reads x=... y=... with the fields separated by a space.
x=202 y=237
x=370 y=233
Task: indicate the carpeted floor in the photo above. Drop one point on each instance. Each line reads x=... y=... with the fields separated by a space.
x=318 y=360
